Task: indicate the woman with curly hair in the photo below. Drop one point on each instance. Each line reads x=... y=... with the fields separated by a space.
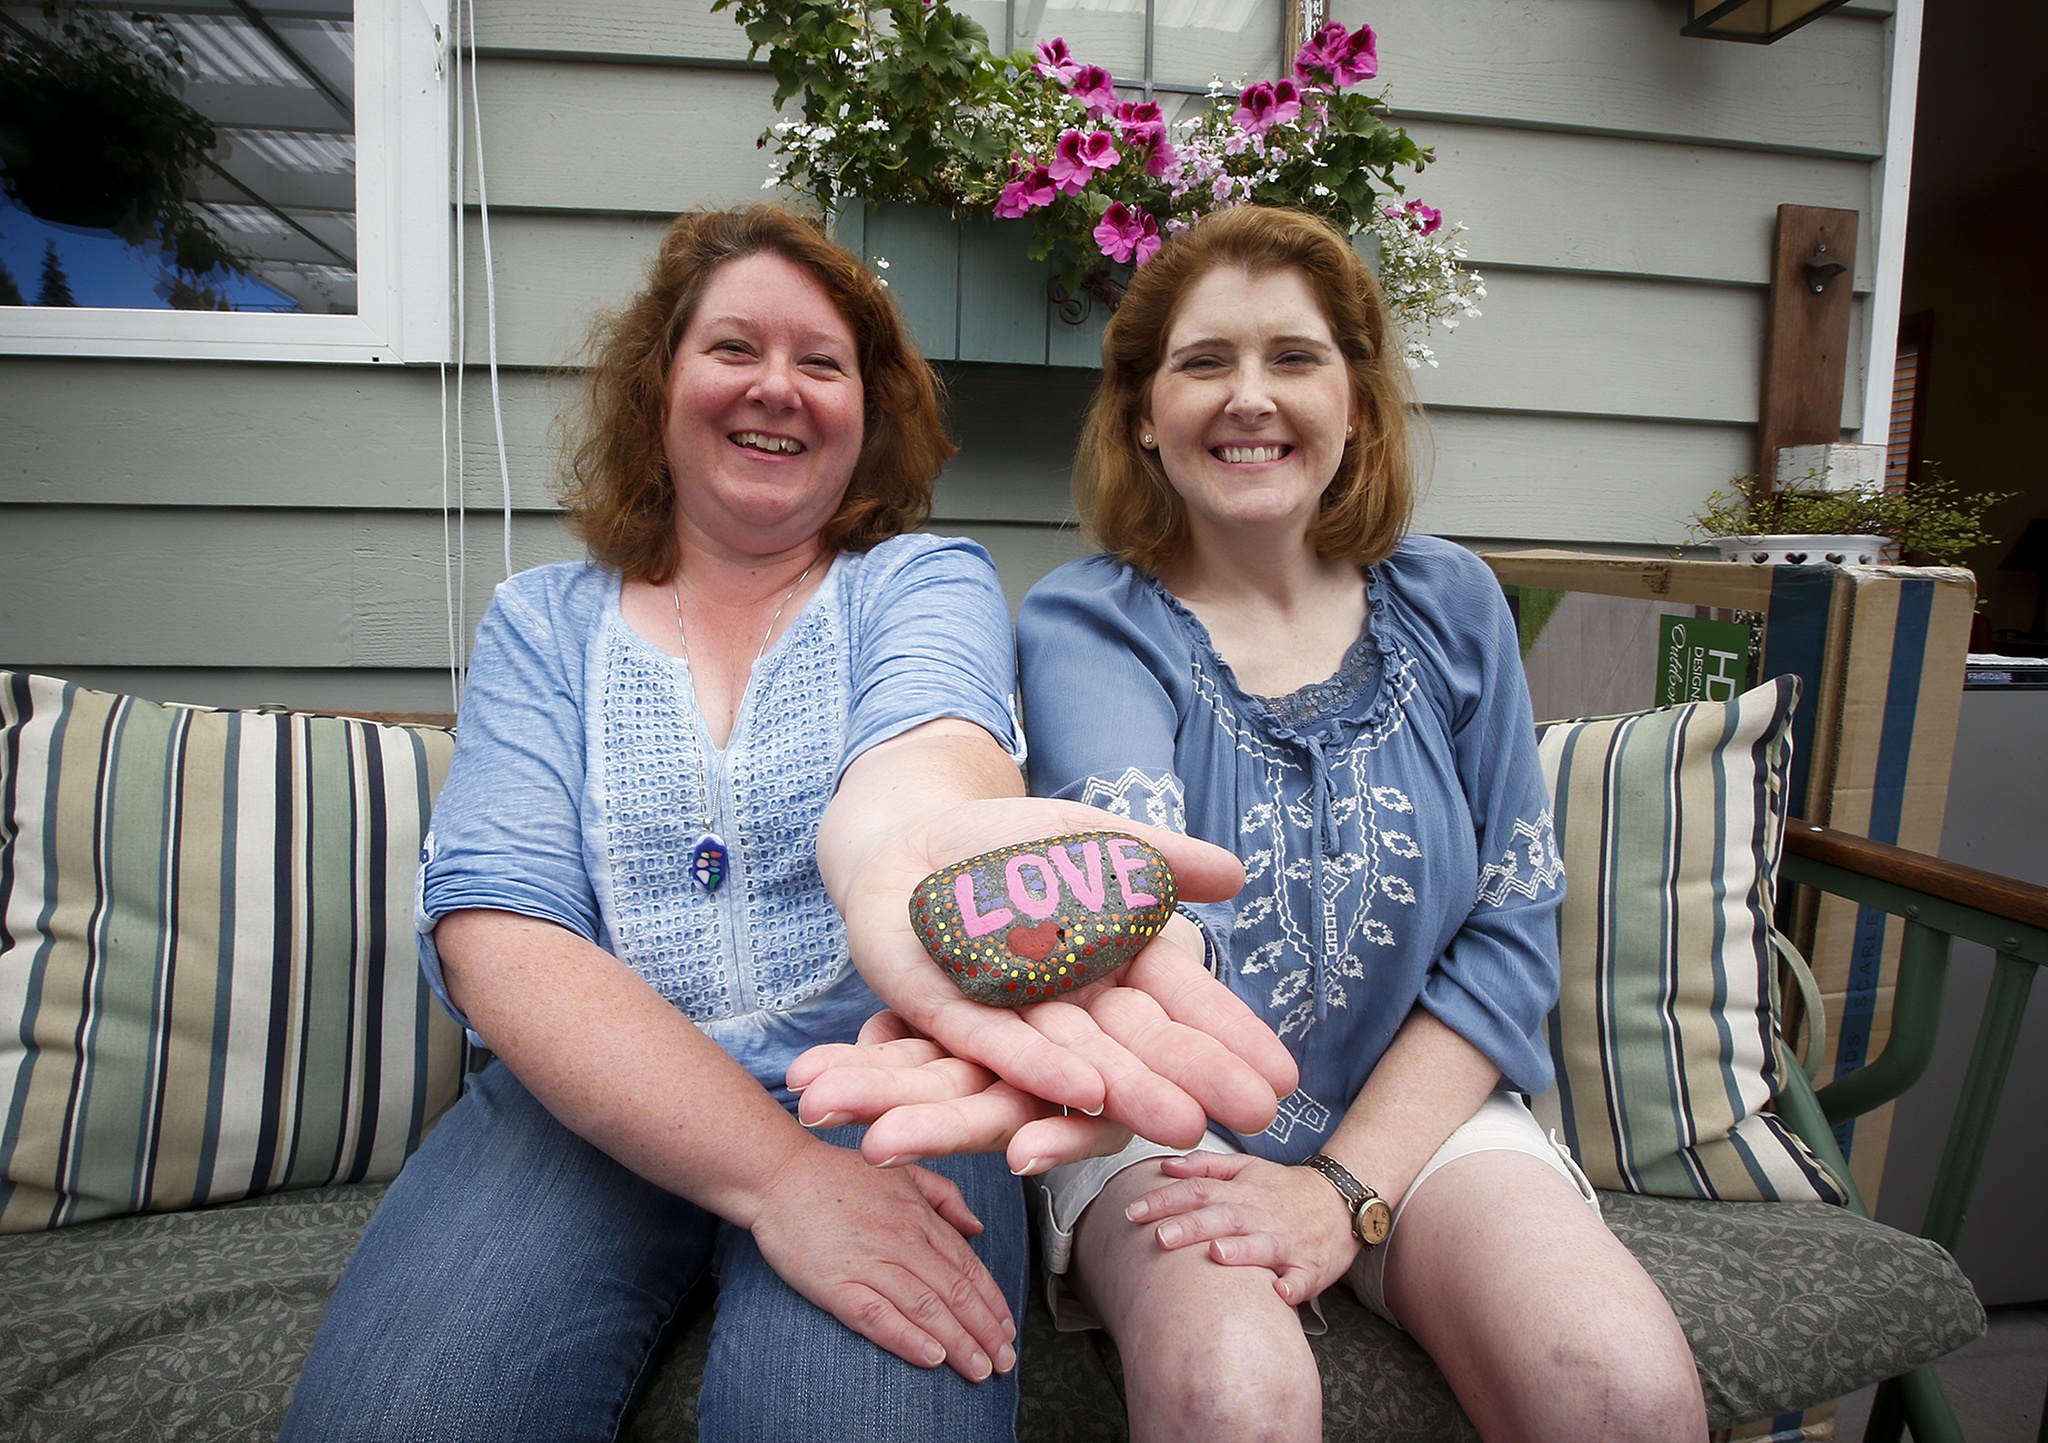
x=696 y=779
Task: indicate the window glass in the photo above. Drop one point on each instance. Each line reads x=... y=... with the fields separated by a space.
x=1197 y=40
x=1192 y=42
x=198 y=157
x=1109 y=33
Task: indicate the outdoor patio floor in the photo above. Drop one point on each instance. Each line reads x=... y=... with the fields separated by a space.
x=1996 y=1383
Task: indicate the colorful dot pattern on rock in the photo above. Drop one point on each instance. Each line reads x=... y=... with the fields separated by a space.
x=1038 y=919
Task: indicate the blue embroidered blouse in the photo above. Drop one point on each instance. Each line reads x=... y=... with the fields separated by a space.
x=1393 y=821
x=580 y=780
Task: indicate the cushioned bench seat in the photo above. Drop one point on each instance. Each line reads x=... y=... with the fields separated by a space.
x=192 y=1325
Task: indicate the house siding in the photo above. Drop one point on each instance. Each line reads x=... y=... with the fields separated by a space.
x=238 y=532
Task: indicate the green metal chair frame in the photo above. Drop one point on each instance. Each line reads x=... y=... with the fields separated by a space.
x=1938 y=901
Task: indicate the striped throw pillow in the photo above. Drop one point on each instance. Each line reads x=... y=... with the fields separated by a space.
x=208 y=984
x=1670 y=822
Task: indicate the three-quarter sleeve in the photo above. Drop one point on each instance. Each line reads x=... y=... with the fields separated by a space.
x=1498 y=977
x=1101 y=707
x=505 y=832
x=1097 y=702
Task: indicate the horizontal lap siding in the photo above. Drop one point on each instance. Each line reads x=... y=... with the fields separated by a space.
x=228 y=528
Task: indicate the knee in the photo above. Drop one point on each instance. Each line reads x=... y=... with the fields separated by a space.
x=1227 y=1382
x=1636 y=1394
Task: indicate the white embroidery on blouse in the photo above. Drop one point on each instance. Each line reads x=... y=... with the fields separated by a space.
x=1529 y=865
x=1160 y=795
x=1365 y=893
x=1299 y=1110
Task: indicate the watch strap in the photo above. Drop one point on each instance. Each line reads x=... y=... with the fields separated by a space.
x=1358 y=1198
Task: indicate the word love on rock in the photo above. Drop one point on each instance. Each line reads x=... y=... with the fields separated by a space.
x=1024 y=923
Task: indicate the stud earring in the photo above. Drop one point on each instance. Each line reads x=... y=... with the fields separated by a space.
x=1146 y=440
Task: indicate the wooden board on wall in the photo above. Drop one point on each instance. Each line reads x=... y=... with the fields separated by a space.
x=1808 y=336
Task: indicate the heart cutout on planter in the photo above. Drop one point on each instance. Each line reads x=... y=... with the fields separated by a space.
x=1795 y=558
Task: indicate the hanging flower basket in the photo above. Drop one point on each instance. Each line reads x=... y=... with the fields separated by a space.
x=903 y=102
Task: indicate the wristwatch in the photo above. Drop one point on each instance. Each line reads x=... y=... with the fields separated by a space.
x=1371 y=1218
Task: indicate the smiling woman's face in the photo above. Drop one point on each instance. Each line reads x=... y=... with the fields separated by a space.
x=1250 y=404
x=764 y=421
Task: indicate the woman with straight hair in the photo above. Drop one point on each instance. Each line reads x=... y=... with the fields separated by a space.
x=1265 y=658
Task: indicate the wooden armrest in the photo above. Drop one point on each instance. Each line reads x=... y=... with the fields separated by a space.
x=2006 y=897
x=1937 y=900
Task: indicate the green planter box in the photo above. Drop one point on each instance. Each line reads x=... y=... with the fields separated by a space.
x=968 y=289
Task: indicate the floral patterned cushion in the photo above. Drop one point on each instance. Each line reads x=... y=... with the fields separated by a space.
x=194 y=1325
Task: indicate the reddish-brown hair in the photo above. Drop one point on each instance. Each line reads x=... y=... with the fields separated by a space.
x=618 y=492
x=1120 y=488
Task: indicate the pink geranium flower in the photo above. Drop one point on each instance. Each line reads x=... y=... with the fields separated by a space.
x=1092 y=86
x=1140 y=120
x=1080 y=156
x=1333 y=56
x=1144 y=124
x=1026 y=193
x=1055 y=62
x=1128 y=234
x=1426 y=219
x=1267 y=104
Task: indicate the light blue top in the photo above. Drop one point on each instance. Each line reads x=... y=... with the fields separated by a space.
x=577 y=791
x=1393 y=821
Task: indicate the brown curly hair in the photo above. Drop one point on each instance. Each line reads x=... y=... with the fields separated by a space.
x=1120 y=488
x=618 y=492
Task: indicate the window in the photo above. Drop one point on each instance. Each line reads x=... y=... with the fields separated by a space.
x=1168 y=49
x=228 y=179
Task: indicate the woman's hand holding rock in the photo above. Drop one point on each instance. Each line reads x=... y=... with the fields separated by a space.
x=1159 y=1050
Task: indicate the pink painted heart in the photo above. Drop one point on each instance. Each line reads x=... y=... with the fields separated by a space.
x=1034 y=943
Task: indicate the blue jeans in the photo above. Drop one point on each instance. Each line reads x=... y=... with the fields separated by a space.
x=515 y=1282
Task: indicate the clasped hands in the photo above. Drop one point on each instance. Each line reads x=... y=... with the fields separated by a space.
x=1157 y=1050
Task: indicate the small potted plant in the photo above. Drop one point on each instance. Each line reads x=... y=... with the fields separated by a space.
x=1930 y=523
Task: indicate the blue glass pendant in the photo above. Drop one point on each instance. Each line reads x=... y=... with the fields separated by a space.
x=707 y=861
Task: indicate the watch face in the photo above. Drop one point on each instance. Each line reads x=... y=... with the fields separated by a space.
x=1374 y=1221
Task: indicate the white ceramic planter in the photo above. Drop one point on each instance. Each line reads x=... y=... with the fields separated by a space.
x=1806 y=550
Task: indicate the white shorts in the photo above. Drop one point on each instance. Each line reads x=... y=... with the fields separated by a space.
x=1502 y=1124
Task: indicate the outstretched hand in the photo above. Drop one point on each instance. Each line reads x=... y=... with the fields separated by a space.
x=1159 y=1049
x=925 y=1102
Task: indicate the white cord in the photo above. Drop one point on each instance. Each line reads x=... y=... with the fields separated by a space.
x=448 y=562
x=483 y=207
x=458 y=611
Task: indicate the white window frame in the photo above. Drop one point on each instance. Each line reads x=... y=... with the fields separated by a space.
x=404 y=232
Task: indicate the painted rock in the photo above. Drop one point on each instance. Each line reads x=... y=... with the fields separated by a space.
x=1036 y=920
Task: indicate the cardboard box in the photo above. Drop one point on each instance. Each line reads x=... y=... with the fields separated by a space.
x=1881 y=653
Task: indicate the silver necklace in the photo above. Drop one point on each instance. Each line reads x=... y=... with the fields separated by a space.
x=710 y=858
